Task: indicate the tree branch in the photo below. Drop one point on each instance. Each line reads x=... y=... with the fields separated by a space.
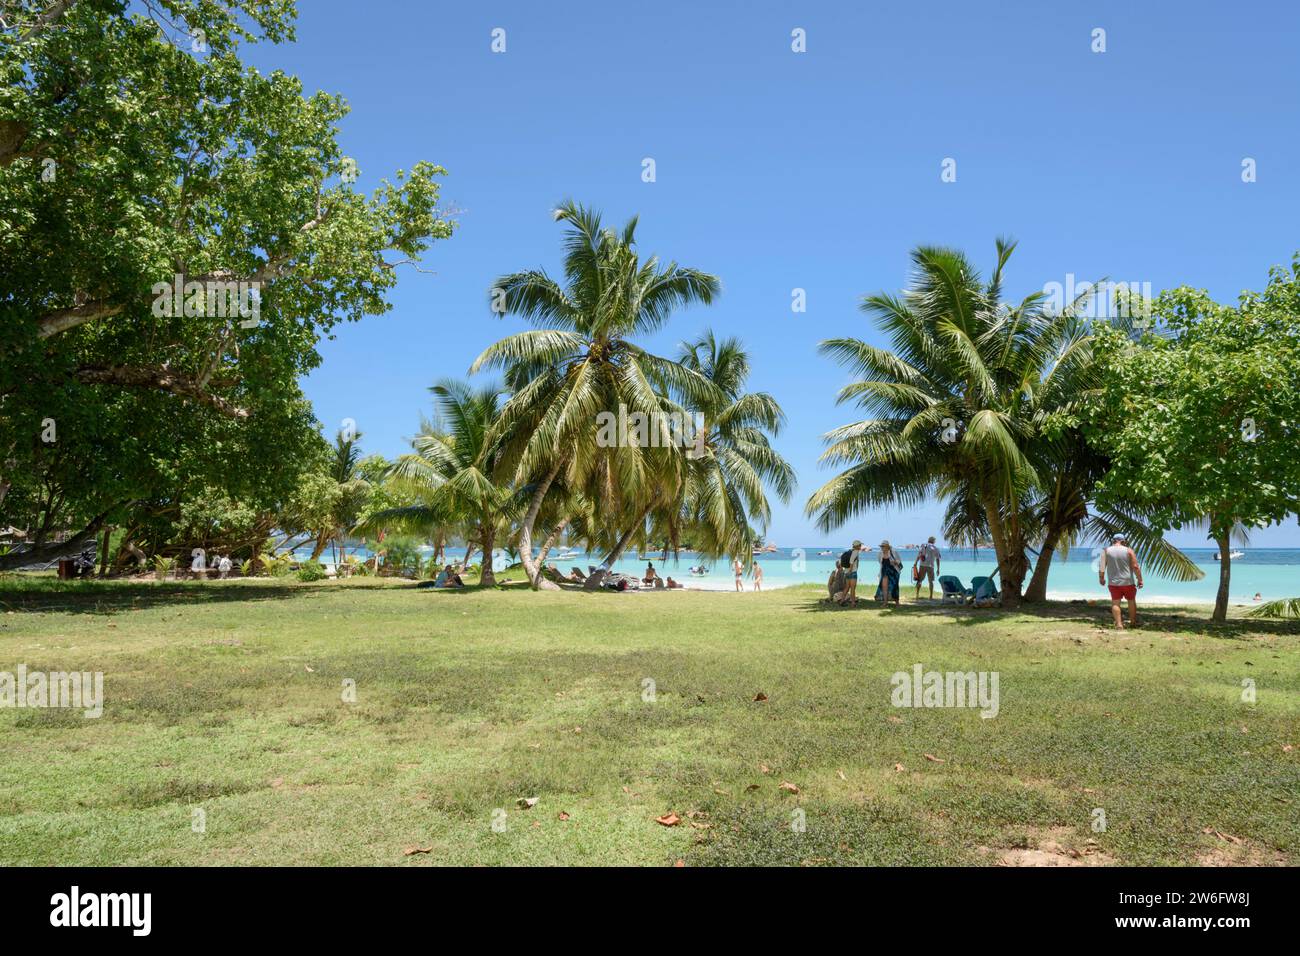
x=160 y=379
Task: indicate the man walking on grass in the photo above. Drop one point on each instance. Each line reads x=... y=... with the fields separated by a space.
x=926 y=566
x=1120 y=564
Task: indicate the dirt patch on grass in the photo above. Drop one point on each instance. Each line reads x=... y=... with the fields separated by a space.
x=1058 y=846
x=1246 y=853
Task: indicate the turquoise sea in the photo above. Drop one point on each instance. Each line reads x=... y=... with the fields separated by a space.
x=1270 y=572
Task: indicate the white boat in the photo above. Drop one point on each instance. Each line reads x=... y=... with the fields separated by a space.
x=1232 y=555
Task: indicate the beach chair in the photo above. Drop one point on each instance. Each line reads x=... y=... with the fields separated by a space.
x=577 y=575
x=954 y=592
x=983 y=589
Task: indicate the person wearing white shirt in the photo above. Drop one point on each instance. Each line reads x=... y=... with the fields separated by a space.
x=926 y=565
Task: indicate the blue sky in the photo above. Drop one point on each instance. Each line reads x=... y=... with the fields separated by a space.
x=818 y=170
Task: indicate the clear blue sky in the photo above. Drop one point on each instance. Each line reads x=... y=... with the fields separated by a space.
x=819 y=170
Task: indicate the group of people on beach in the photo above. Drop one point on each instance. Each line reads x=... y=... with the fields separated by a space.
x=1117 y=568
x=924 y=569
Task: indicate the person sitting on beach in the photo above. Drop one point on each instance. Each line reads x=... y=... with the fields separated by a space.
x=1120 y=564
x=649 y=573
x=672 y=585
x=448 y=578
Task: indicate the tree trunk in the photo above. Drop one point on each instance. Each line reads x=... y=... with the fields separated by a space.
x=550 y=541
x=103 y=552
x=531 y=568
x=1011 y=582
x=597 y=577
x=1225 y=574
x=486 y=576
x=1037 y=590
x=321 y=540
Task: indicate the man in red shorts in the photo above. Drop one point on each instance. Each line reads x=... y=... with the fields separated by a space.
x=1120 y=564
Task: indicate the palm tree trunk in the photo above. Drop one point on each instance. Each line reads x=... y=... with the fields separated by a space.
x=597 y=577
x=550 y=541
x=487 y=577
x=535 y=579
x=1011 y=580
x=321 y=540
x=1037 y=590
x=1225 y=574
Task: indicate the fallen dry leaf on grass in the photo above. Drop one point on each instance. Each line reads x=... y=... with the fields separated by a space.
x=788 y=787
x=526 y=803
x=1287 y=748
x=722 y=793
x=412 y=850
x=760 y=697
x=933 y=758
x=840 y=774
x=894 y=720
x=563 y=815
x=310 y=669
x=751 y=788
x=680 y=863
x=764 y=768
x=669 y=819
x=899 y=768
x=1224 y=836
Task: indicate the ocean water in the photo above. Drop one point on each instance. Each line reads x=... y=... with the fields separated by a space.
x=1270 y=572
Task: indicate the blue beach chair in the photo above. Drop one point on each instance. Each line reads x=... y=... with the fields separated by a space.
x=983 y=589
x=954 y=592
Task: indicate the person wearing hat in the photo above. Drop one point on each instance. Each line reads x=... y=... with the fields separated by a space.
x=890 y=565
x=1120 y=564
x=849 y=562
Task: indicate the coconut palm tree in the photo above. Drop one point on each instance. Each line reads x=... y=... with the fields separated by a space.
x=349 y=492
x=450 y=472
x=580 y=361
x=733 y=462
x=976 y=404
x=951 y=404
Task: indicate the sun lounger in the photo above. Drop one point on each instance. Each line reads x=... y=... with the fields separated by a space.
x=954 y=592
x=983 y=589
x=575 y=574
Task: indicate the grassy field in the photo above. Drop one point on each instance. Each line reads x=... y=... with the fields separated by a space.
x=228 y=697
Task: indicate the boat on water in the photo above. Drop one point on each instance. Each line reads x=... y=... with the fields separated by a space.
x=1232 y=555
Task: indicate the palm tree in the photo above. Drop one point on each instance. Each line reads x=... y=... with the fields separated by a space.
x=579 y=361
x=733 y=462
x=951 y=403
x=450 y=472
x=976 y=404
x=350 y=492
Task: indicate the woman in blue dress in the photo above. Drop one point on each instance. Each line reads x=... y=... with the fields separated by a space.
x=890 y=565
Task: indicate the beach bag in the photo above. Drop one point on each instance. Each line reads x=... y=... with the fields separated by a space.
x=916 y=573
x=846 y=559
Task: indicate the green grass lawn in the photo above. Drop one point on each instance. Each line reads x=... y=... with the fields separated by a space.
x=228 y=697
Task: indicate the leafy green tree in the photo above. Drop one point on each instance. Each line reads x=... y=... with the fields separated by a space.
x=1202 y=424
x=580 y=362
x=138 y=153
